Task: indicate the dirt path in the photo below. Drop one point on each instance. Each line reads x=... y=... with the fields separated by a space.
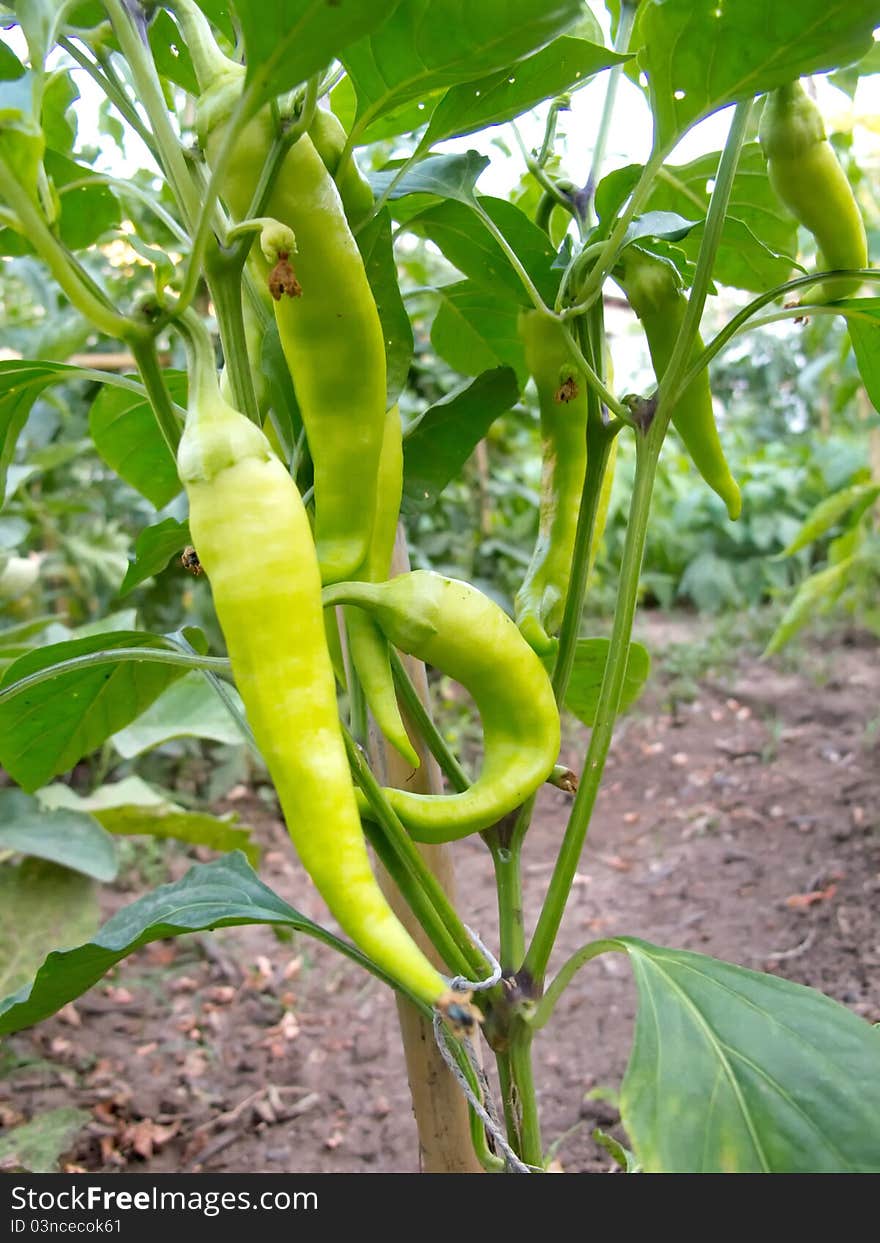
x=743 y=825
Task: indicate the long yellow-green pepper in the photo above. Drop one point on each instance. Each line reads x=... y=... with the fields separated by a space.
x=253 y=539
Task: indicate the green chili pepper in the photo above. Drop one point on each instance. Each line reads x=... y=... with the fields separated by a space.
x=327 y=134
x=253 y=539
x=451 y=625
x=807 y=176
x=562 y=402
x=654 y=294
x=327 y=320
x=367 y=644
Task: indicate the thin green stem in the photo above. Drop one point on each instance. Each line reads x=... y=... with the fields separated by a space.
x=511 y=255
x=625 y=25
x=607 y=257
x=508 y=1101
x=224 y=269
x=597 y=463
x=508 y=883
x=740 y=320
x=669 y=382
x=66 y=271
x=470 y=958
x=105 y=77
x=520 y=1052
x=149 y=90
x=424 y=723
x=593 y=379
x=128 y=187
x=535 y=166
x=564 y=976
x=119 y=655
x=153 y=376
x=535 y=964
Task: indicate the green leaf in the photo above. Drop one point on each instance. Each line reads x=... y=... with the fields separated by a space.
x=377 y=252
x=69 y=838
x=475 y=332
x=221 y=894
x=733 y=1071
x=153 y=549
x=21 y=383
x=444 y=176
x=700 y=55
x=865 y=337
x=35 y=1146
x=429 y=45
x=465 y=241
x=590 y=657
x=11 y=67
x=59 y=123
x=759 y=236
x=43 y=907
x=190 y=708
x=815 y=596
x=848 y=79
x=831 y=511
x=447 y=434
x=47 y=728
x=564 y=65
x=129 y=440
x=289 y=40
x=131 y=808
x=171 y=54
x=87 y=212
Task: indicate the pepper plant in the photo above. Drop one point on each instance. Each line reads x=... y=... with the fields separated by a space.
x=261 y=120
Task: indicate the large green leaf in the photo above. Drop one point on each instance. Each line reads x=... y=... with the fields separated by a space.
x=45 y=729
x=42 y=907
x=590 y=658
x=211 y=895
x=131 y=808
x=377 y=252
x=72 y=839
x=429 y=45
x=21 y=383
x=446 y=435
x=466 y=242
x=129 y=440
x=440 y=176
x=758 y=235
x=700 y=55
x=189 y=708
x=733 y=1071
x=289 y=40
x=564 y=65
x=475 y=332
x=87 y=211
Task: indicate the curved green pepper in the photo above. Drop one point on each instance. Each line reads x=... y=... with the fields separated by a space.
x=806 y=174
x=328 y=135
x=562 y=401
x=253 y=539
x=451 y=625
x=651 y=285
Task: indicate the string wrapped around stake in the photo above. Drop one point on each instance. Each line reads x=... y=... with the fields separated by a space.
x=459 y=984
x=491 y=1125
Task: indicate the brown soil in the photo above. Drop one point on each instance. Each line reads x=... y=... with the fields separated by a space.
x=743 y=825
